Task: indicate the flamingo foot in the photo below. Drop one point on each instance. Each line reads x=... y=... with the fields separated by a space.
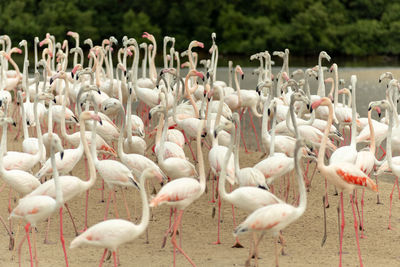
x=237 y=245
x=217 y=242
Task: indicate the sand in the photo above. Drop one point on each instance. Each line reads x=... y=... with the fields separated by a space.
x=303 y=238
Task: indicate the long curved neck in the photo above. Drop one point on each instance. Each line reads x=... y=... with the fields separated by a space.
x=111 y=70
x=237 y=147
x=222 y=177
x=353 y=142
x=265 y=136
x=395 y=168
x=15 y=67
x=160 y=154
x=321 y=152
x=59 y=195
x=321 y=85
x=121 y=152
x=202 y=174
x=38 y=128
x=391 y=102
x=230 y=74
x=189 y=96
x=372 y=133
x=336 y=98
x=272 y=143
x=62 y=125
x=144 y=63
x=159 y=129
x=3 y=146
x=237 y=90
x=90 y=162
x=24 y=126
x=145 y=206
x=215 y=64
x=295 y=130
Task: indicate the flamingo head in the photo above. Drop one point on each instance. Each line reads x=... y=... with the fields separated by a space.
x=239 y=70
x=199 y=44
x=333 y=67
x=74 y=35
x=329 y=80
x=148 y=36
x=75 y=69
x=324 y=101
x=384 y=104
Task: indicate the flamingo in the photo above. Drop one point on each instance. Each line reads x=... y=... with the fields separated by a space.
x=344 y=175
x=180 y=193
x=112 y=233
x=275 y=217
x=38 y=207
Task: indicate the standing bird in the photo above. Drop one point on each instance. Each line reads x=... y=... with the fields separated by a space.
x=276 y=217
x=111 y=234
x=39 y=207
x=344 y=175
x=182 y=192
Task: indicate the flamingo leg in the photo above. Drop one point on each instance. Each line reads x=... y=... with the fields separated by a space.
x=241 y=133
x=390 y=207
x=377 y=194
x=46 y=239
x=72 y=218
x=115 y=203
x=356 y=230
x=326 y=194
x=87 y=196
x=27 y=227
x=115 y=259
x=237 y=243
x=219 y=220
x=362 y=214
x=190 y=147
x=11 y=245
x=276 y=252
x=325 y=235
x=102 y=258
x=252 y=243
x=62 y=236
x=341 y=229
x=173 y=240
x=170 y=226
x=255 y=131
x=34 y=247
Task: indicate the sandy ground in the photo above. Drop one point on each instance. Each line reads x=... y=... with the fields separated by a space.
x=303 y=238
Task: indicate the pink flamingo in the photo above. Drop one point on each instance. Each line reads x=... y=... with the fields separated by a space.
x=38 y=207
x=180 y=193
x=111 y=234
x=275 y=217
x=345 y=176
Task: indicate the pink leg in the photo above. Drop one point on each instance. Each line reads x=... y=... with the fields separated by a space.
x=27 y=227
x=356 y=230
x=362 y=214
x=190 y=147
x=19 y=249
x=255 y=131
x=341 y=229
x=72 y=218
x=173 y=240
x=115 y=259
x=326 y=192
x=384 y=153
x=241 y=133
x=102 y=258
x=390 y=208
x=62 y=237
x=219 y=220
x=87 y=196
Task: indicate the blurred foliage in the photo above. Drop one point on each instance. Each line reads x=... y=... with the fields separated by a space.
x=343 y=27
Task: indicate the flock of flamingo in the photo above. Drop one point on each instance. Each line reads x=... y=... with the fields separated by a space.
x=65 y=116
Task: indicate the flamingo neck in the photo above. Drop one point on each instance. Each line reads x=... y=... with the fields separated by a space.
x=372 y=147
x=321 y=152
x=222 y=177
x=92 y=170
x=189 y=96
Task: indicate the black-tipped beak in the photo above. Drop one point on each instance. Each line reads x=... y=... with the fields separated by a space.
x=269 y=112
x=209 y=99
x=14 y=124
x=77 y=77
x=1 y=103
x=379 y=80
x=51 y=81
x=62 y=155
x=149 y=116
x=311 y=109
x=215 y=134
x=101 y=122
x=379 y=114
x=308 y=106
x=161 y=72
x=259 y=93
x=72 y=75
x=316 y=78
x=242 y=76
x=98 y=91
x=75 y=118
x=134 y=183
x=55 y=101
x=204 y=135
x=28 y=123
x=202 y=78
x=124 y=72
x=105 y=108
x=208 y=75
x=130 y=91
x=369 y=108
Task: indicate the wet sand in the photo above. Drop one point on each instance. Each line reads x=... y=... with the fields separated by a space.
x=303 y=238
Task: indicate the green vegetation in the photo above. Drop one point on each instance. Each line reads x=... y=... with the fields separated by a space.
x=342 y=27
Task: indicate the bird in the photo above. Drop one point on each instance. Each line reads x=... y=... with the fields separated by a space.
x=344 y=175
x=276 y=217
x=182 y=192
x=110 y=234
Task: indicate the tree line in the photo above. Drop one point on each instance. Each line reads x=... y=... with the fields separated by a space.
x=343 y=27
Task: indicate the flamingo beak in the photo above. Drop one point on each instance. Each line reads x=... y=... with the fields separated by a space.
x=62 y=155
